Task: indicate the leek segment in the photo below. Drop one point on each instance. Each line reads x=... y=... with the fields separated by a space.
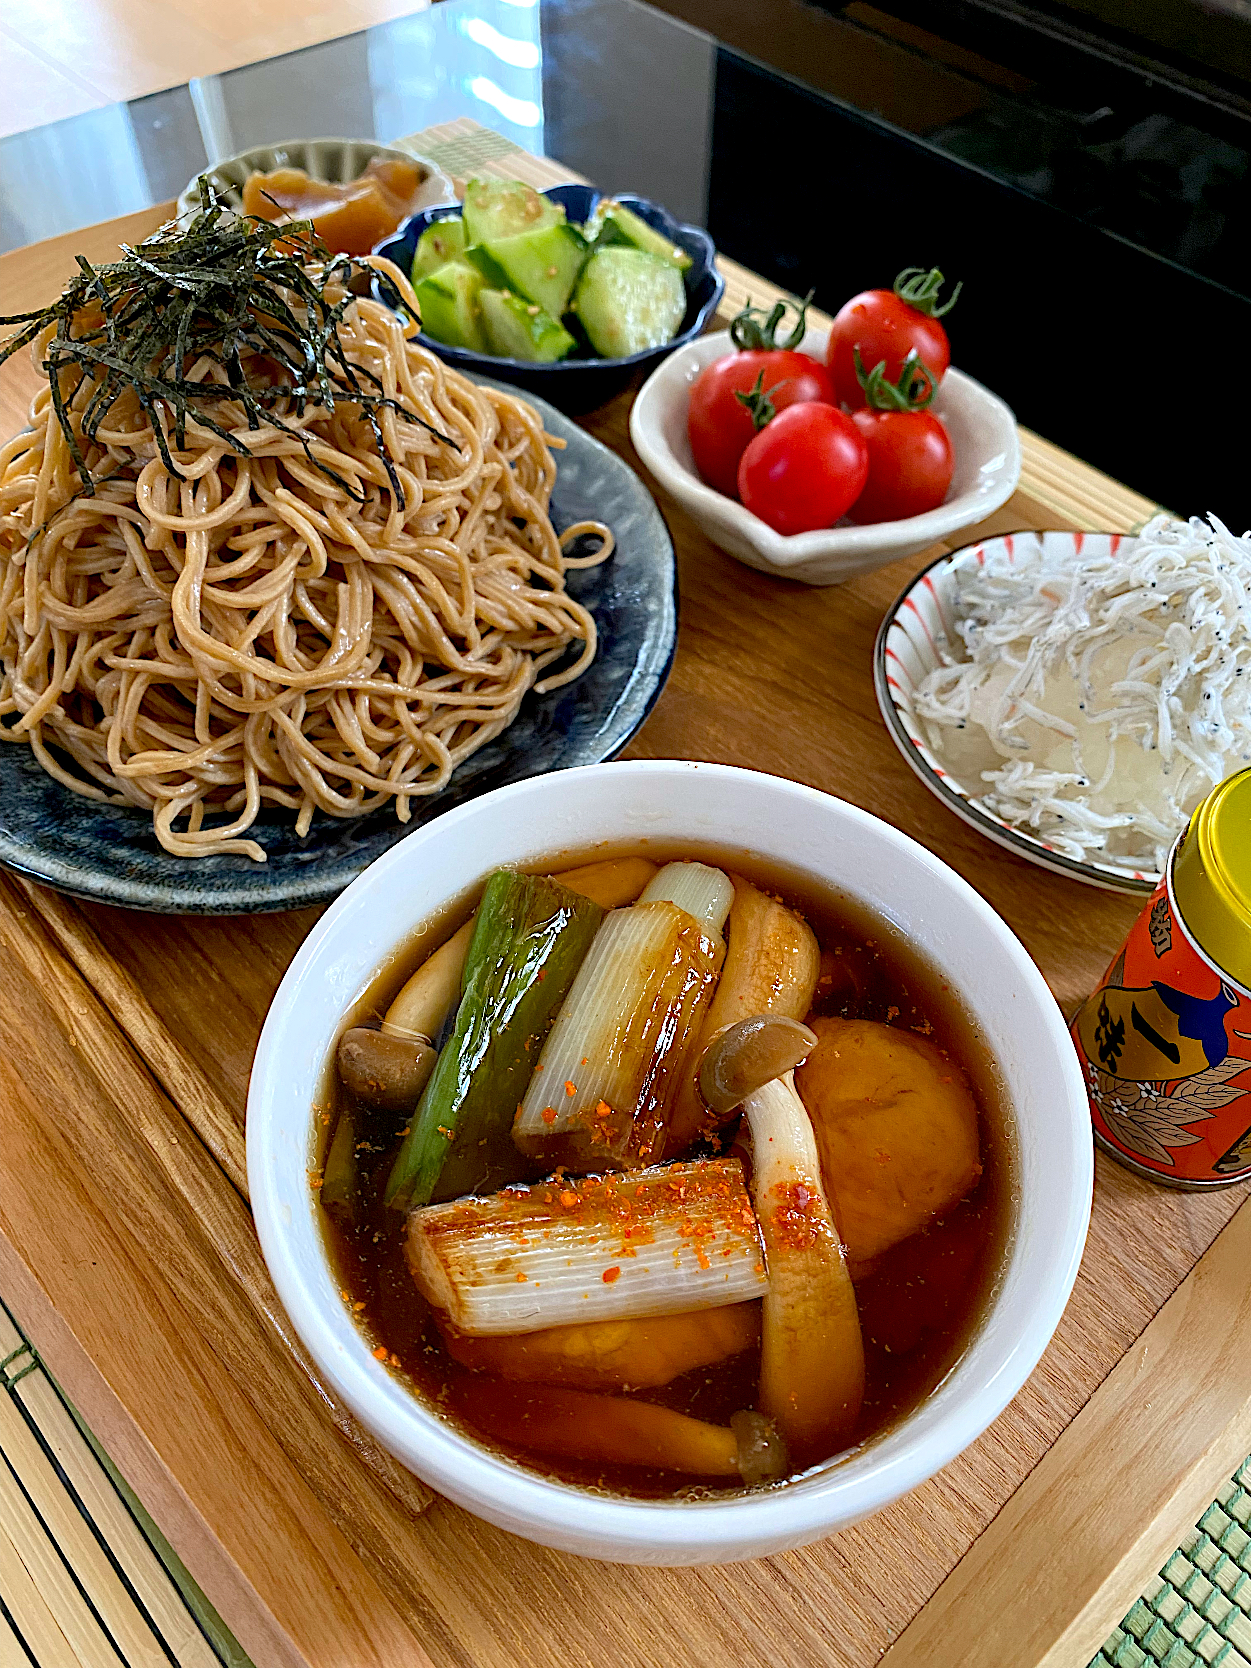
x=618 y=1052
x=530 y=936
x=667 y=1241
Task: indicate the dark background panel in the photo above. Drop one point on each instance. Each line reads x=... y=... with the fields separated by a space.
x=1122 y=356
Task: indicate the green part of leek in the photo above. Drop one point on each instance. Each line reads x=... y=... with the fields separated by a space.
x=529 y=939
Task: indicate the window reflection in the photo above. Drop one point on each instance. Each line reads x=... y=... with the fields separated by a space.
x=451 y=60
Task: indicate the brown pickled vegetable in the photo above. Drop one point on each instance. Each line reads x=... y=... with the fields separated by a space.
x=349 y=218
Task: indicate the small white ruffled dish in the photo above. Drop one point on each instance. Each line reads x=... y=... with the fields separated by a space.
x=335 y=160
x=810 y=833
x=908 y=649
x=987 y=468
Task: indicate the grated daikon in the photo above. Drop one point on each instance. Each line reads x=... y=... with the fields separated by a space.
x=1099 y=698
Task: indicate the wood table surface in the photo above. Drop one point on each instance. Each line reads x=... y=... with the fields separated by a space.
x=126 y=1247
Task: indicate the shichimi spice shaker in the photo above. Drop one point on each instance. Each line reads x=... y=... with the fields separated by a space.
x=1165 y=1040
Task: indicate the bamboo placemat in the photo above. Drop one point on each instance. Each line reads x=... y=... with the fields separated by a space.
x=1198 y=1610
x=86 y=1579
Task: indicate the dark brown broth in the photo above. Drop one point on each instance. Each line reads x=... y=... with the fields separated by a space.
x=918 y=1307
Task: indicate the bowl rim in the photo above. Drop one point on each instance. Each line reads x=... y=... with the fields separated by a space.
x=788 y=550
x=673 y=1531
x=468 y=359
x=186 y=198
x=1107 y=877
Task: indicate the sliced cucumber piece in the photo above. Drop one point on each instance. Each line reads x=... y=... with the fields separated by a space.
x=616 y=224
x=506 y=208
x=440 y=243
x=628 y=300
x=520 y=329
x=451 y=311
x=543 y=266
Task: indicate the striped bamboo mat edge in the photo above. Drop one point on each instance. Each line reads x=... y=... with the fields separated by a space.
x=86 y=1578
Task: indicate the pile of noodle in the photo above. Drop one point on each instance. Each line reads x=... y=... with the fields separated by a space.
x=253 y=635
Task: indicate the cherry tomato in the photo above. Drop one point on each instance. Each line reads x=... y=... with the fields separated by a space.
x=910 y=464
x=805 y=469
x=885 y=325
x=721 y=426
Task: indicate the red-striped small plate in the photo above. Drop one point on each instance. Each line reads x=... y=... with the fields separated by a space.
x=908 y=648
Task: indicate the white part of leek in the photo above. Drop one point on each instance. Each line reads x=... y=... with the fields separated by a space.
x=595 y=1022
x=701 y=891
x=665 y=1241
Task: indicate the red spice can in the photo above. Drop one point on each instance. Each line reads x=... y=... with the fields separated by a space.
x=1165 y=1040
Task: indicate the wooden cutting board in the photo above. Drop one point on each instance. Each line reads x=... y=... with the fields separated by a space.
x=127 y=1252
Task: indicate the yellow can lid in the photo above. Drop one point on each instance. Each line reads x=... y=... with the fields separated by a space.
x=1212 y=877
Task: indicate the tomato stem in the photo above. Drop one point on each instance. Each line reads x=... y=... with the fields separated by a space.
x=758 y=403
x=914 y=391
x=754 y=329
x=920 y=288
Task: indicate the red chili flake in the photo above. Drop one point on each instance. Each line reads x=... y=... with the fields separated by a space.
x=380 y=1354
x=448 y=1134
x=542 y=973
x=548 y=1114
x=702 y=1257
x=568 y=1199
x=521 y=1277
x=603 y=1110
x=611 y=1274
x=585 y=1058
x=571 y=1089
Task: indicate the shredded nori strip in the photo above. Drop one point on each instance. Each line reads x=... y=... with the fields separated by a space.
x=223 y=287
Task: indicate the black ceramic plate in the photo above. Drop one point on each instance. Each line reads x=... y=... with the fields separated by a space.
x=110 y=853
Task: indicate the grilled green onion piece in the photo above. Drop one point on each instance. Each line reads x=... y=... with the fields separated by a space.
x=612 y=1065
x=530 y=935
x=655 y=1242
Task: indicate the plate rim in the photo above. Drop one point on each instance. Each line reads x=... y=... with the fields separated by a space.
x=1103 y=876
x=176 y=897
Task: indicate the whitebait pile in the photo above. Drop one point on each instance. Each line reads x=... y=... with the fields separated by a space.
x=1099 y=697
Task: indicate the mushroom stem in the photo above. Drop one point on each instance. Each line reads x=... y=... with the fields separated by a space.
x=812 y=1356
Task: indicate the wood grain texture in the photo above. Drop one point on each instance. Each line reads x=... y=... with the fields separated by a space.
x=1182 y=1395
x=775 y=676
x=65 y=56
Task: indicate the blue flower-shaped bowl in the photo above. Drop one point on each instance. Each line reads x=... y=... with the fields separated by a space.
x=582 y=381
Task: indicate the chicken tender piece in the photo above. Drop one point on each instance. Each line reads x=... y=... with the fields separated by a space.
x=896 y=1128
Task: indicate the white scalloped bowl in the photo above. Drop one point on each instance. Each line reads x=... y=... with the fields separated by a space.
x=335 y=160
x=987 y=468
x=668 y=801
x=907 y=650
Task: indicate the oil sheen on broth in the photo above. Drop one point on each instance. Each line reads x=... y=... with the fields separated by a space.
x=919 y=1301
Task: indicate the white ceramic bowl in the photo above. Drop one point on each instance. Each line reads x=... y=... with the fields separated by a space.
x=987 y=468
x=908 y=649
x=664 y=800
x=336 y=160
